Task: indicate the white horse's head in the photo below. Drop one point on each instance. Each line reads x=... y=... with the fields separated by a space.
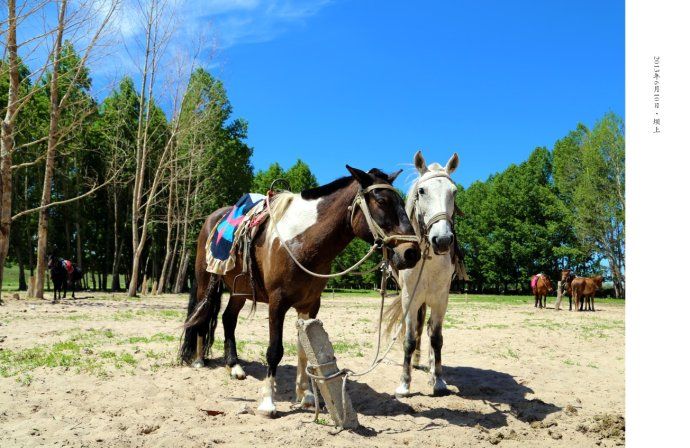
x=431 y=202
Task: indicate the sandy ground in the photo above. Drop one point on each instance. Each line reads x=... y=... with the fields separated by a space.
x=102 y=372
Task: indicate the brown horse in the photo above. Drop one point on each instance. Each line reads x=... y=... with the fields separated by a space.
x=542 y=287
x=583 y=290
x=315 y=226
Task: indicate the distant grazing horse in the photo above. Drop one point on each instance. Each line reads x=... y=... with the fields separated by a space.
x=315 y=226
x=567 y=277
x=584 y=289
x=430 y=206
x=64 y=274
x=541 y=287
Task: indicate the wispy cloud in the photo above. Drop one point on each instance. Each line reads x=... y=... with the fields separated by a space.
x=230 y=22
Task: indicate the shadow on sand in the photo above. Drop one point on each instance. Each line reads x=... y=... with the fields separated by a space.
x=498 y=390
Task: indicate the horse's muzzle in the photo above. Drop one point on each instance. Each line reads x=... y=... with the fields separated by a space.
x=441 y=244
x=406 y=256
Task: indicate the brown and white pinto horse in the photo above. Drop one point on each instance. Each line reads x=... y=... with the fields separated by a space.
x=316 y=225
x=583 y=290
x=541 y=288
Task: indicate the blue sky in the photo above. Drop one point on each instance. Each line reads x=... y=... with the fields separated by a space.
x=369 y=83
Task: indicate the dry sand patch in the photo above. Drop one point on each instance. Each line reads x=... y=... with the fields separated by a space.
x=103 y=372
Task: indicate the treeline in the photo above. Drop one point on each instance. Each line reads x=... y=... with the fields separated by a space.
x=122 y=185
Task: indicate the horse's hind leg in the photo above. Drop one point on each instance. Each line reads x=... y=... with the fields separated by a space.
x=435 y=330
x=230 y=315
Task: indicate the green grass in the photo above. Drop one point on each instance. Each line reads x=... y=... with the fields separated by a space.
x=80 y=351
x=149 y=313
x=158 y=337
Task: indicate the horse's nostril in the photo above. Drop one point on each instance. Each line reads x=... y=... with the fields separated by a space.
x=412 y=255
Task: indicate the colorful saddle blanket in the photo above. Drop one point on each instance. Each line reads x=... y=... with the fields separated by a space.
x=222 y=242
x=69 y=267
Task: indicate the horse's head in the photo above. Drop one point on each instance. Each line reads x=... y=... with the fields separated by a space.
x=53 y=261
x=387 y=220
x=565 y=275
x=598 y=280
x=547 y=282
x=431 y=202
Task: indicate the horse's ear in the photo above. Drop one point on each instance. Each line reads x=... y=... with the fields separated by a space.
x=360 y=176
x=420 y=163
x=393 y=176
x=453 y=163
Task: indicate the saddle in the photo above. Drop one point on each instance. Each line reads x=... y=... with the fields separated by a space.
x=233 y=234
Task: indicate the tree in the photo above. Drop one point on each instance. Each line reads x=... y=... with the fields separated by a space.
x=300 y=177
x=263 y=179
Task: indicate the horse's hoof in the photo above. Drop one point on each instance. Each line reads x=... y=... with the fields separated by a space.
x=199 y=363
x=402 y=391
x=308 y=401
x=440 y=388
x=266 y=408
x=237 y=372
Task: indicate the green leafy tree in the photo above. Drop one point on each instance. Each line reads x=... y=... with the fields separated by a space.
x=300 y=176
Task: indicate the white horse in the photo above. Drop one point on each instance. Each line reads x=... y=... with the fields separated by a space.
x=430 y=206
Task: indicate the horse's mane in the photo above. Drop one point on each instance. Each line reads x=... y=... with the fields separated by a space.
x=325 y=190
x=279 y=204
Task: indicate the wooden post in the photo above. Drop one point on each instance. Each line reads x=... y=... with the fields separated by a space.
x=30 y=287
x=144 y=286
x=559 y=296
x=319 y=351
x=154 y=288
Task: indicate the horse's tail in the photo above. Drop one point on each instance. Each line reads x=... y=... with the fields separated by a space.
x=392 y=315
x=202 y=319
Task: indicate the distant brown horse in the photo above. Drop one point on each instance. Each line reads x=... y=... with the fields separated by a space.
x=541 y=287
x=583 y=290
x=315 y=226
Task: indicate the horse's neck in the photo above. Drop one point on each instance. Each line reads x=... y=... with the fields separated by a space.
x=333 y=231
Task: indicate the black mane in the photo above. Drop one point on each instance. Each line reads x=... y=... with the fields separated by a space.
x=325 y=190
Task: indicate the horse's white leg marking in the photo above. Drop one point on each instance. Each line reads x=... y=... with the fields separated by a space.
x=302 y=383
x=266 y=406
x=237 y=372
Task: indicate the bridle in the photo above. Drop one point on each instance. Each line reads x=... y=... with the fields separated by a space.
x=381 y=238
x=440 y=216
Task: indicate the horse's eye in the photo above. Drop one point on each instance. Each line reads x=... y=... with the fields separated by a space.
x=380 y=201
x=421 y=191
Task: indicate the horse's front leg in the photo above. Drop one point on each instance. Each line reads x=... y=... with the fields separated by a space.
x=274 y=353
x=303 y=392
x=435 y=331
x=421 y=315
x=409 y=345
